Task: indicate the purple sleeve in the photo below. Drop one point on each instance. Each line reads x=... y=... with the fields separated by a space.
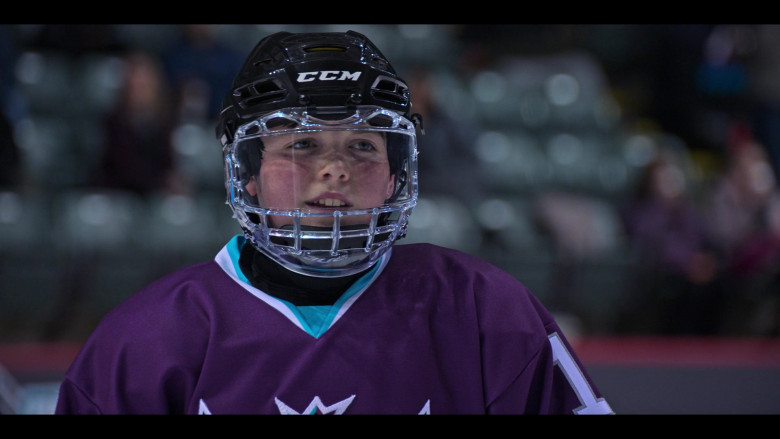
x=72 y=401
x=144 y=357
x=524 y=361
x=552 y=379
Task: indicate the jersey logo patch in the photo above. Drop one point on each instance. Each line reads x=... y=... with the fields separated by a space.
x=316 y=407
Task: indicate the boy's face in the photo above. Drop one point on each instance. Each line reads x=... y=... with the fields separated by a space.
x=322 y=172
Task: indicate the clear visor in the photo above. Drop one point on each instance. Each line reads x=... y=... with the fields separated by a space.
x=288 y=163
x=298 y=178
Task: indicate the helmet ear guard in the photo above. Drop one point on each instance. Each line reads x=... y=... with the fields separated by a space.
x=252 y=155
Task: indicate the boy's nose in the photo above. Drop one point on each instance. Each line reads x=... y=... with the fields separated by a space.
x=334 y=166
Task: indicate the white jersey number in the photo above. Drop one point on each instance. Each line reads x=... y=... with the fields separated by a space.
x=563 y=359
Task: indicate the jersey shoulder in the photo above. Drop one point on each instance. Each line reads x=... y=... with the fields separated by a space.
x=426 y=260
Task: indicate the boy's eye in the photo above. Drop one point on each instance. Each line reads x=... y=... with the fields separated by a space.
x=364 y=146
x=302 y=144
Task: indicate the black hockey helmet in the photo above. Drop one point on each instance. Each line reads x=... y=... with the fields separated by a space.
x=328 y=73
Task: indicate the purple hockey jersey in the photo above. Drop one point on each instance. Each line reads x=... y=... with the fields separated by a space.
x=429 y=330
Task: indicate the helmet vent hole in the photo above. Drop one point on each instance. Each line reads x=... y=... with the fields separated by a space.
x=262 y=62
x=387 y=86
x=329 y=48
x=391 y=91
x=381 y=121
x=267 y=87
x=381 y=62
x=262 y=92
x=280 y=122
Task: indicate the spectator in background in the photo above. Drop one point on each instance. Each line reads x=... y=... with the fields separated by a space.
x=741 y=202
x=137 y=144
x=677 y=289
x=199 y=67
x=764 y=90
x=744 y=222
x=447 y=149
x=12 y=103
x=77 y=39
x=10 y=159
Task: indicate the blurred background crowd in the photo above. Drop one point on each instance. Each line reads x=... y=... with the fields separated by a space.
x=628 y=174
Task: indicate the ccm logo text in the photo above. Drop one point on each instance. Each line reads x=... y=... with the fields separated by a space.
x=328 y=75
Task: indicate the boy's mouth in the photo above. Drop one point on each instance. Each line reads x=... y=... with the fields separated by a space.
x=328 y=202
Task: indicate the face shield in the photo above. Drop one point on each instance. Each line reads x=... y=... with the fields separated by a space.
x=323 y=197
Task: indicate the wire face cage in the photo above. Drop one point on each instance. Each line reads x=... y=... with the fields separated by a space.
x=334 y=236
